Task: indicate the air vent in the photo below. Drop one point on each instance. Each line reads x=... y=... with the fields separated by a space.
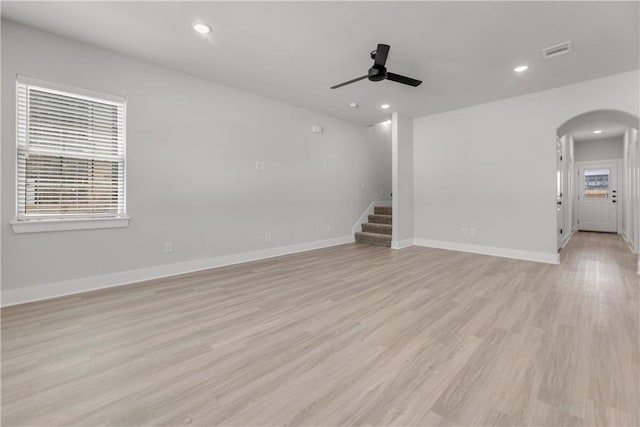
x=557 y=50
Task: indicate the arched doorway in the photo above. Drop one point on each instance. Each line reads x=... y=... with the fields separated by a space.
x=598 y=176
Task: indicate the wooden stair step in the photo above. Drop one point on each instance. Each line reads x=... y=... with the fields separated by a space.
x=380 y=219
x=373 y=238
x=377 y=228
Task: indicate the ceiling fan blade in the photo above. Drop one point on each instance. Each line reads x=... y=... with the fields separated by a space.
x=381 y=54
x=349 y=82
x=402 y=79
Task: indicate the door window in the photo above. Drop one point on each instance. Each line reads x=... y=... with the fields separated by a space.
x=596 y=183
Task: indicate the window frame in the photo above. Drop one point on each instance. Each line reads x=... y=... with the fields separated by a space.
x=72 y=221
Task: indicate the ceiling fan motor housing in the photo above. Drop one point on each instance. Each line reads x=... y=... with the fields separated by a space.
x=377 y=73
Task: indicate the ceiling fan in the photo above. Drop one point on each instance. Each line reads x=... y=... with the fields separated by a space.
x=379 y=72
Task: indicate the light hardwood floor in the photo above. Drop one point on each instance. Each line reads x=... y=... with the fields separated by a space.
x=350 y=335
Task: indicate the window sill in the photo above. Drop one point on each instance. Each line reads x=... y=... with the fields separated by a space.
x=42 y=225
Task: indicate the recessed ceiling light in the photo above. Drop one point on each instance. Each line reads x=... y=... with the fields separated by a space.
x=201 y=28
x=384 y=106
x=387 y=122
x=521 y=68
x=353 y=105
x=597 y=131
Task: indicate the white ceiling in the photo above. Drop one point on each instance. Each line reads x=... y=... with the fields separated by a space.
x=610 y=129
x=294 y=51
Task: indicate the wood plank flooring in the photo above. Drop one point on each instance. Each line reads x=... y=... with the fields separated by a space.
x=350 y=335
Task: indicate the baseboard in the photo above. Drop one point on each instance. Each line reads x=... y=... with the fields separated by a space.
x=548 y=258
x=401 y=244
x=627 y=239
x=53 y=290
x=566 y=239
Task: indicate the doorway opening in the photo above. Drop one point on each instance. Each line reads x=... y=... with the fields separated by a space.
x=597 y=186
x=598 y=176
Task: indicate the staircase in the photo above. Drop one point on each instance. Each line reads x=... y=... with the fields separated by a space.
x=378 y=230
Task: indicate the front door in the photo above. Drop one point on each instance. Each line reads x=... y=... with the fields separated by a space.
x=598 y=197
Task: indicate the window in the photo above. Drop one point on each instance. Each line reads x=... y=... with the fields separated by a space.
x=596 y=183
x=71 y=157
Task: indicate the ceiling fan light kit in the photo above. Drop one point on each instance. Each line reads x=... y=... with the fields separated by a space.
x=378 y=71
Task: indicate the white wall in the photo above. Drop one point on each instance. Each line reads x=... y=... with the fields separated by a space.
x=631 y=190
x=192 y=147
x=625 y=178
x=635 y=188
x=379 y=164
x=402 y=181
x=492 y=166
x=599 y=149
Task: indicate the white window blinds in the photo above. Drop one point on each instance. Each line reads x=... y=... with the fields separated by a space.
x=71 y=153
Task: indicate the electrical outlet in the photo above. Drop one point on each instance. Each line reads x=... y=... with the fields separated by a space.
x=267 y=238
x=382 y=192
x=364 y=186
x=473 y=232
x=168 y=247
x=258 y=166
x=463 y=231
x=328 y=229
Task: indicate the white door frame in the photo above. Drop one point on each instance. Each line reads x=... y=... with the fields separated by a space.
x=561 y=236
x=564 y=171
x=619 y=185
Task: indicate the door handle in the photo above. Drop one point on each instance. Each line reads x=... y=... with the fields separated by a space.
x=559 y=203
x=613 y=201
